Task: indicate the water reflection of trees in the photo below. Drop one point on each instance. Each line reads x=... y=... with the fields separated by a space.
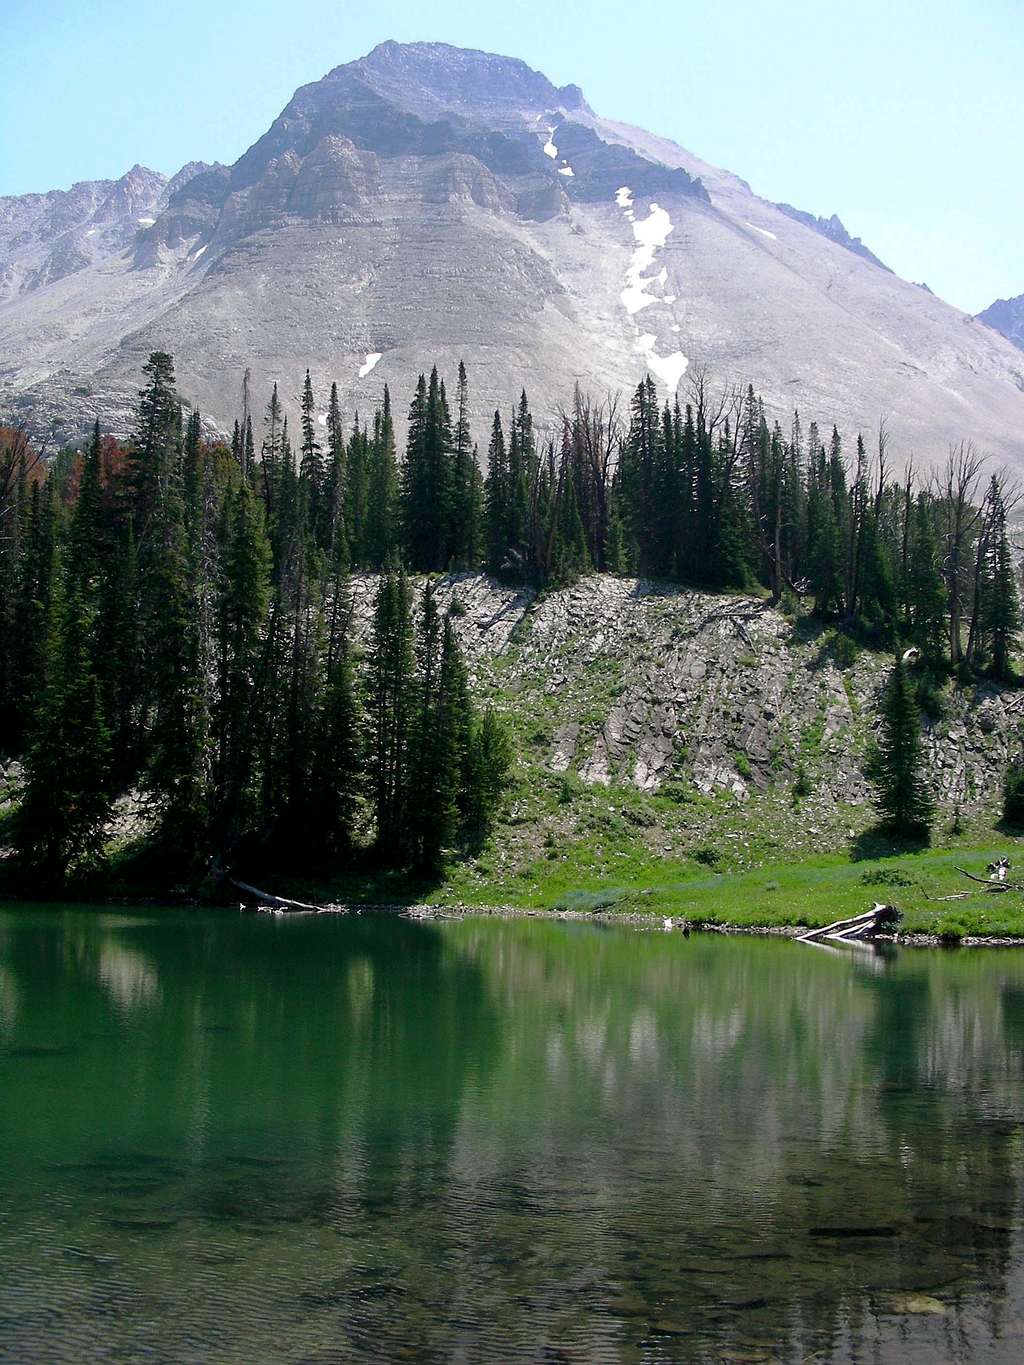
x=749 y=1093
x=506 y=1137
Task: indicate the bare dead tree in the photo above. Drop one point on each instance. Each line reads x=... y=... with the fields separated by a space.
x=909 y=480
x=956 y=486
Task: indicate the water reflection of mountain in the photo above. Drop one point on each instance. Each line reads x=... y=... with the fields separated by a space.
x=361 y=1136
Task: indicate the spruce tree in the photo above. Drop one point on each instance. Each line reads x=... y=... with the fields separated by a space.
x=240 y=616
x=60 y=822
x=896 y=763
x=390 y=688
x=382 y=511
x=1000 y=607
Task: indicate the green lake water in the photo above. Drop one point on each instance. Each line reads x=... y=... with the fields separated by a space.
x=251 y=1139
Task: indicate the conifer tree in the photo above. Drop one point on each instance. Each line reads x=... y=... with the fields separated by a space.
x=895 y=762
x=60 y=823
x=486 y=768
x=999 y=608
x=925 y=590
x=496 y=498
x=382 y=512
x=337 y=770
x=176 y=769
x=158 y=421
x=391 y=709
x=241 y=611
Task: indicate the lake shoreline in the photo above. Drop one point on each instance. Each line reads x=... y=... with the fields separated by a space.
x=644 y=921
x=641 y=920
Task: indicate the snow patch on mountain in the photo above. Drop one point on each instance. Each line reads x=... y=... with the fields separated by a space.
x=371 y=360
x=651 y=234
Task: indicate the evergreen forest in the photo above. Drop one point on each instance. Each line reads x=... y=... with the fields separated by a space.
x=175 y=610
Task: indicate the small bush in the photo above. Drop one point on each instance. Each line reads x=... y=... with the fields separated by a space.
x=885 y=876
x=844 y=650
x=801 y=784
x=457 y=608
x=707 y=857
x=742 y=765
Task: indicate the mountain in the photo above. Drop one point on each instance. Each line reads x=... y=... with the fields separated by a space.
x=1007 y=317
x=426 y=203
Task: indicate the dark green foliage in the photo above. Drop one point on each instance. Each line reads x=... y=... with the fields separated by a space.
x=212 y=591
x=1013 y=795
x=896 y=764
x=59 y=828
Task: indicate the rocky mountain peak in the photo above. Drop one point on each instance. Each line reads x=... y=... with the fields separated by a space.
x=1007 y=317
x=436 y=77
x=426 y=202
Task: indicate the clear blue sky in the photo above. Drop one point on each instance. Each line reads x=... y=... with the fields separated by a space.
x=905 y=117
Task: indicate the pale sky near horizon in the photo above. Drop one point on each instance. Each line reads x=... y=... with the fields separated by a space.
x=905 y=117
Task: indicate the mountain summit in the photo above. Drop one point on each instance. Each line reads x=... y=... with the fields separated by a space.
x=427 y=203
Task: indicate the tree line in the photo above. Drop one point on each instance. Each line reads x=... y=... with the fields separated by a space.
x=702 y=491
x=176 y=613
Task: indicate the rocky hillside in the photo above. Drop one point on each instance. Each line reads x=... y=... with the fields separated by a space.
x=717 y=709
x=426 y=203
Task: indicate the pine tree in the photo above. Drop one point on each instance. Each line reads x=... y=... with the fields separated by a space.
x=895 y=762
x=390 y=686
x=241 y=610
x=496 y=498
x=486 y=768
x=925 y=590
x=337 y=769
x=382 y=511
x=32 y=608
x=311 y=469
x=177 y=762
x=157 y=423
x=1000 y=607
x=60 y=823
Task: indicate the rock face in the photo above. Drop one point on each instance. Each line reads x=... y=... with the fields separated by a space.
x=625 y=682
x=427 y=203
x=1007 y=317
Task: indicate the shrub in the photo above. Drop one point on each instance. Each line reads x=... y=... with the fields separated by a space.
x=707 y=857
x=844 y=650
x=886 y=876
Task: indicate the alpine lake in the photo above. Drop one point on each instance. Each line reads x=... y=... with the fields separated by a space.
x=255 y=1138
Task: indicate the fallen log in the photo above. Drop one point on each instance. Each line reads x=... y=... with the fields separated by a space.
x=279 y=903
x=855 y=927
x=989 y=884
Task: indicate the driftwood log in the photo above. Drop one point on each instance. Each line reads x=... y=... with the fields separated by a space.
x=855 y=927
x=280 y=904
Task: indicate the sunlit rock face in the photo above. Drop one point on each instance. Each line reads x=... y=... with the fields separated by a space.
x=429 y=204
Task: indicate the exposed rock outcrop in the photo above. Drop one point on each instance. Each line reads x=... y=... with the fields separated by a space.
x=643 y=685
